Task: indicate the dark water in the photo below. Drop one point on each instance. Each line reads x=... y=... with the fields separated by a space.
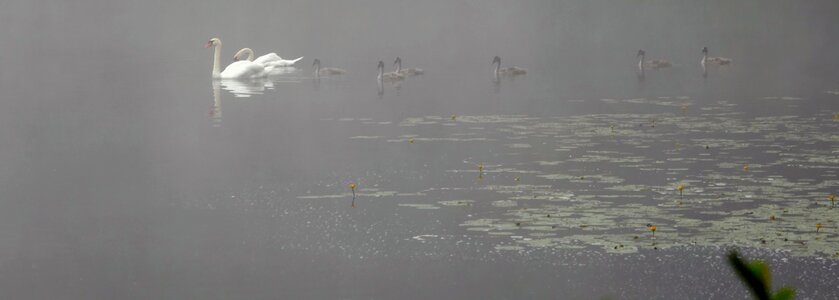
x=127 y=173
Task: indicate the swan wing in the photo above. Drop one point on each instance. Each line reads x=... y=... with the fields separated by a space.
x=269 y=58
x=719 y=60
x=284 y=62
x=512 y=71
x=411 y=72
x=331 y=71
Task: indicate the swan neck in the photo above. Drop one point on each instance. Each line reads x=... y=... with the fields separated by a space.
x=398 y=66
x=250 y=55
x=497 y=68
x=317 y=69
x=217 y=60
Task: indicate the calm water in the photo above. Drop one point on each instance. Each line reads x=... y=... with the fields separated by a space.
x=127 y=173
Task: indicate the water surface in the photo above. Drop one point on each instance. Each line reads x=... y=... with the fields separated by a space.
x=128 y=173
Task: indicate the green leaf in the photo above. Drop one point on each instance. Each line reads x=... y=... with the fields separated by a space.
x=750 y=275
x=784 y=293
x=761 y=270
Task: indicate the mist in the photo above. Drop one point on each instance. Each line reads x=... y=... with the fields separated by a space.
x=127 y=171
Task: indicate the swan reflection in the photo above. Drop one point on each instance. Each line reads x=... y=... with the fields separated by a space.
x=243 y=88
x=215 y=111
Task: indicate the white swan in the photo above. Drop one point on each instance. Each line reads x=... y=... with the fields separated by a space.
x=406 y=71
x=271 y=69
x=654 y=64
x=326 y=71
x=509 y=71
x=389 y=76
x=239 y=69
x=720 y=61
x=271 y=59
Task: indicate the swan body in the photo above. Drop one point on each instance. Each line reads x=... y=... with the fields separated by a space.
x=272 y=59
x=407 y=71
x=706 y=60
x=389 y=76
x=243 y=69
x=272 y=68
x=237 y=70
x=326 y=71
x=508 y=71
x=654 y=64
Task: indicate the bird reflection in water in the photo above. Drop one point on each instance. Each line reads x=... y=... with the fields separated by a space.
x=215 y=111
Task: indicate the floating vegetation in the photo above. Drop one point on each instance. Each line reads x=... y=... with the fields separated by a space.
x=598 y=179
x=419 y=206
x=456 y=202
x=504 y=203
x=519 y=146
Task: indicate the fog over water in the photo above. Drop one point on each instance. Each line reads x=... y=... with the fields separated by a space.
x=127 y=172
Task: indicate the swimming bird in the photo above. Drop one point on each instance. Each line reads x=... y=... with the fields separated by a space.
x=389 y=76
x=239 y=69
x=509 y=71
x=274 y=67
x=326 y=71
x=407 y=71
x=654 y=64
x=267 y=60
x=720 y=61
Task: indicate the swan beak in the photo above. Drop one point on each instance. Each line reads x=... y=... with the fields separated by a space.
x=209 y=44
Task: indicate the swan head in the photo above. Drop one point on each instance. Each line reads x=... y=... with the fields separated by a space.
x=213 y=42
x=397 y=61
x=381 y=65
x=641 y=53
x=705 y=50
x=316 y=62
x=244 y=54
x=496 y=60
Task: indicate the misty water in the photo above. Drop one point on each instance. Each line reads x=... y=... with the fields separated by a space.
x=126 y=172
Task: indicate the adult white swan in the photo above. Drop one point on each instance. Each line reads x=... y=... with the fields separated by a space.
x=239 y=70
x=267 y=60
x=274 y=68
